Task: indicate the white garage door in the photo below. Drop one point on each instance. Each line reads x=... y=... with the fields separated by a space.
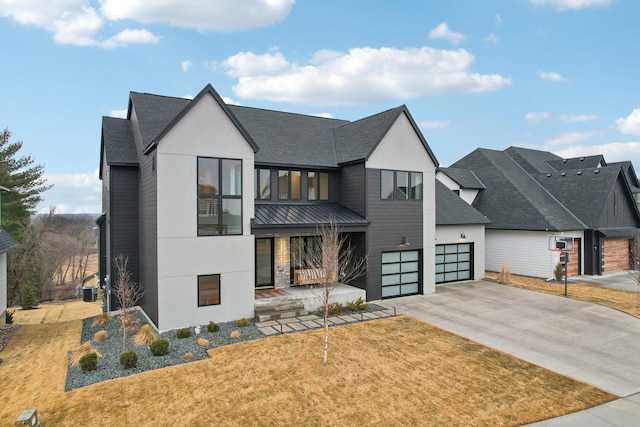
x=401 y=273
x=454 y=262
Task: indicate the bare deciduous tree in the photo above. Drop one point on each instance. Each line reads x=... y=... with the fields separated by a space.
x=127 y=293
x=334 y=256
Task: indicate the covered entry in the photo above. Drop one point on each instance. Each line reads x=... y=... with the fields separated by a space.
x=401 y=273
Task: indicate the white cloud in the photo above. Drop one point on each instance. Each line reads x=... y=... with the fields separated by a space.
x=119 y=114
x=571 y=4
x=630 y=125
x=434 y=124
x=202 y=15
x=612 y=152
x=360 y=76
x=442 y=31
x=492 y=38
x=228 y=100
x=551 y=76
x=73 y=193
x=498 y=20
x=536 y=117
x=185 y=65
x=567 y=139
x=572 y=118
x=78 y=23
x=325 y=115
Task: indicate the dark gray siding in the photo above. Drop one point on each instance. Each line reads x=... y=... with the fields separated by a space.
x=390 y=221
x=124 y=220
x=353 y=188
x=619 y=210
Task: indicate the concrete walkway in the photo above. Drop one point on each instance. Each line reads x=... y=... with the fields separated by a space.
x=619 y=280
x=311 y=321
x=588 y=342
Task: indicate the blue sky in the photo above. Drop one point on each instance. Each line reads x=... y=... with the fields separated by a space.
x=556 y=75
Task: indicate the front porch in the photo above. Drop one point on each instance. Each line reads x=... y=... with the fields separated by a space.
x=272 y=304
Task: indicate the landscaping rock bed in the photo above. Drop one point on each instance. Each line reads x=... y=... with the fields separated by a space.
x=6 y=333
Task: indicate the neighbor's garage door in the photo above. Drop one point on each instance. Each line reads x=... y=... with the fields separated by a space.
x=401 y=273
x=454 y=262
x=616 y=254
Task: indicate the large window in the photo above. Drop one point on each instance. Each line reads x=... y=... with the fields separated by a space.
x=219 y=196
x=304 y=251
x=288 y=185
x=262 y=184
x=318 y=185
x=400 y=185
x=208 y=290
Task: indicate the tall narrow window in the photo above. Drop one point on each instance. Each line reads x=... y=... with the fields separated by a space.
x=289 y=185
x=219 y=196
x=402 y=185
x=208 y=290
x=318 y=186
x=386 y=185
x=416 y=186
x=262 y=184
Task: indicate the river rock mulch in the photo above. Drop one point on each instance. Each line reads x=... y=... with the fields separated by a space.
x=6 y=333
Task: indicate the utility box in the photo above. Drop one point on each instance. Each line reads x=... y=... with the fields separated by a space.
x=89 y=293
x=28 y=417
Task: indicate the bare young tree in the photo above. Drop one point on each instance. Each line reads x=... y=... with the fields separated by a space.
x=127 y=293
x=333 y=256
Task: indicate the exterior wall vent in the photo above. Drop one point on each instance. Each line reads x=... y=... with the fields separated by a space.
x=596 y=171
x=563 y=174
x=579 y=173
x=548 y=175
x=582 y=159
x=564 y=160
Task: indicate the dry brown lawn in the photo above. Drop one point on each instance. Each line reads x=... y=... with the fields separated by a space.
x=396 y=371
x=56 y=312
x=625 y=301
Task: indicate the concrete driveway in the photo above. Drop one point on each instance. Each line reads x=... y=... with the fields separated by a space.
x=591 y=343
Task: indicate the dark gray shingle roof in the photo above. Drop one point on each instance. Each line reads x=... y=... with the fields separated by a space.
x=154 y=113
x=578 y=163
x=6 y=242
x=452 y=210
x=312 y=215
x=119 y=145
x=532 y=161
x=465 y=178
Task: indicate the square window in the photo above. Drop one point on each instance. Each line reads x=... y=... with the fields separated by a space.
x=208 y=290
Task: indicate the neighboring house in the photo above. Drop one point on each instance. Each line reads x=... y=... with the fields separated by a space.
x=6 y=244
x=211 y=201
x=529 y=195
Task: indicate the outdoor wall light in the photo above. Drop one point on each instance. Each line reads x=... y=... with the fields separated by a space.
x=462 y=236
x=405 y=241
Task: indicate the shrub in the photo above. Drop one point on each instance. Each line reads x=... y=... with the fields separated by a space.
x=85 y=348
x=357 y=305
x=145 y=336
x=100 y=336
x=159 y=347
x=101 y=320
x=203 y=342
x=29 y=298
x=129 y=359
x=213 y=327
x=89 y=362
x=335 y=309
x=189 y=356
x=234 y=335
x=183 y=333
x=242 y=323
x=8 y=317
x=558 y=272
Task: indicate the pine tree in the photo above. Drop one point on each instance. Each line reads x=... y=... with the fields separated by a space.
x=25 y=181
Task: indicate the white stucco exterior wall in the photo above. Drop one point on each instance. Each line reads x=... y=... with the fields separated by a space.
x=204 y=131
x=475 y=234
x=401 y=149
x=524 y=252
x=466 y=194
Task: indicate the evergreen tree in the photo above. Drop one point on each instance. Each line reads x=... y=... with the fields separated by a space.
x=26 y=183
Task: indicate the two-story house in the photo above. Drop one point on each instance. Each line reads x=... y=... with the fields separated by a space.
x=211 y=201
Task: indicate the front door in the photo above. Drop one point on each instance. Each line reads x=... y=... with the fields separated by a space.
x=264 y=263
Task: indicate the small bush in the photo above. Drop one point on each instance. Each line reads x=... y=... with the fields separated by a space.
x=189 y=356
x=242 y=323
x=29 y=298
x=85 y=348
x=203 y=342
x=213 y=327
x=129 y=359
x=89 y=362
x=159 y=347
x=183 y=333
x=234 y=335
x=335 y=309
x=8 y=317
x=145 y=336
x=101 y=320
x=357 y=305
x=558 y=272
x=100 y=336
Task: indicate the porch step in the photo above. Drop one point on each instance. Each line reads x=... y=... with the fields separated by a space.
x=276 y=309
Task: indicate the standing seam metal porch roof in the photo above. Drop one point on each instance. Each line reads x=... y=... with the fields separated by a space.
x=304 y=215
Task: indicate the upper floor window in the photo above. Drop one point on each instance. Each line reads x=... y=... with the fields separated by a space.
x=400 y=185
x=219 y=196
x=262 y=184
x=318 y=185
x=288 y=185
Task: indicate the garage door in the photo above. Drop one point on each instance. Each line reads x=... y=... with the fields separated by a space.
x=454 y=262
x=616 y=255
x=401 y=273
